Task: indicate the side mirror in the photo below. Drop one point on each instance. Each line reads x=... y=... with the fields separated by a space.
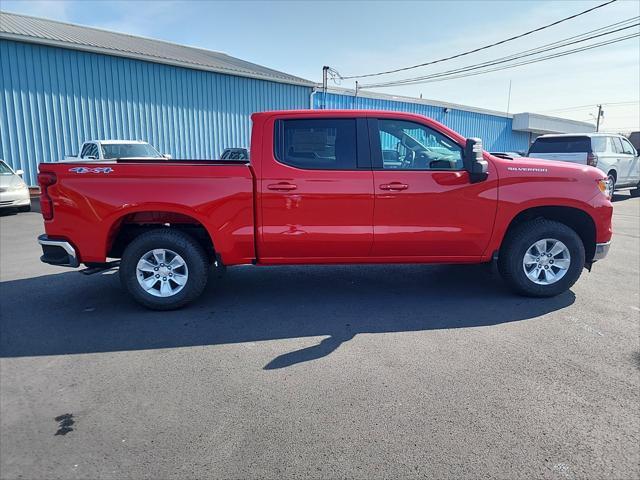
x=474 y=162
x=19 y=172
x=167 y=156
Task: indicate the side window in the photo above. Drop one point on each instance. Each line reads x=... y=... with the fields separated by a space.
x=617 y=145
x=627 y=148
x=85 y=150
x=600 y=144
x=317 y=144
x=412 y=146
x=93 y=151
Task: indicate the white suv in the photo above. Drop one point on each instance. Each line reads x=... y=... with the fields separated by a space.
x=613 y=154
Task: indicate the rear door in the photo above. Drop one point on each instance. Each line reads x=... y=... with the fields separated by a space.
x=425 y=205
x=628 y=162
x=316 y=188
x=573 y=149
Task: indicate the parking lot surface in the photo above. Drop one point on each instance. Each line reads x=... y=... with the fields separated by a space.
x=320 y=372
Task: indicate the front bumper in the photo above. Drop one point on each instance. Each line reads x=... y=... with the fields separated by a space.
x=601 y=251
x=58 y=252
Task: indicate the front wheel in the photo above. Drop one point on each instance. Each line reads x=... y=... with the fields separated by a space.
x=164 y=269
x=541 y=258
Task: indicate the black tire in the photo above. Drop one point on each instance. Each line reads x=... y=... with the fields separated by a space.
x=611 y=178
x=518 y=242
x=636 y=191
x=181 y=243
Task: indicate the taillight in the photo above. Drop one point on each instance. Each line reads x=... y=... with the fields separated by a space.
x=592 y=159
x=45 y=180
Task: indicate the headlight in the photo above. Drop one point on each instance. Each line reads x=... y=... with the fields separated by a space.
x=605 y=187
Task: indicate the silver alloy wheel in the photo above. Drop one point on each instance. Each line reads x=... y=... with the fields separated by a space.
x=546 y=261
x=162 y=272
x=611 y=184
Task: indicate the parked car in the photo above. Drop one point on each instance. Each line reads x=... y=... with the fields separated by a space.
x=508 y=154
x=14 y=193
x=319 y=191
x=235 y=154
x=613 y=154
x=111 y=149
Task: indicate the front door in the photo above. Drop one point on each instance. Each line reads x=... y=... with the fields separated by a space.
x=425 y=205
x=317 y=192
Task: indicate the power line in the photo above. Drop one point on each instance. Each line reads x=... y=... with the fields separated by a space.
x=583 y=107
x=527 y=53
x=468 y=52
x=505 y=67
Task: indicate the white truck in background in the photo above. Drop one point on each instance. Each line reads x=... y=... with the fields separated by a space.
x=111 y=149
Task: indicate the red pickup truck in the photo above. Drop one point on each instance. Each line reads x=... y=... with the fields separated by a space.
x=327 y=187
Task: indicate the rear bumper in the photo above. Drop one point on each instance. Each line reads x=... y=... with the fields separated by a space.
x=601 y=251
x=58 y=252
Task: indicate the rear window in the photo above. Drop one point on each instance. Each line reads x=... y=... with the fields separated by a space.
x=561 y=145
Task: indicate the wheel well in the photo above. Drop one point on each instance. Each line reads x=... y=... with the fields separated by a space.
x=578 y=220
x=126 y=229
x=613 y=173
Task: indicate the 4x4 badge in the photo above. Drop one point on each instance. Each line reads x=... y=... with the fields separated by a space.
x=91 y=170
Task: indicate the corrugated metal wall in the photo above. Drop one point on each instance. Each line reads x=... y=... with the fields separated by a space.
x=53 y=99
x=495 y=131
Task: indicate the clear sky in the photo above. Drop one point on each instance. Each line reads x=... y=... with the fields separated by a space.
x=361 y=37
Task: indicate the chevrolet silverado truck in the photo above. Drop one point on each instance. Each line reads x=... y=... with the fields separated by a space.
x=327 y=187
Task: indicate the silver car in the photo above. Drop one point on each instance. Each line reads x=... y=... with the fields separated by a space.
x=613 y=154
x=14 y=193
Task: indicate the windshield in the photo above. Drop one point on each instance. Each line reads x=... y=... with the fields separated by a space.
x=561 y=145
x=4 y=169
x=128 y=150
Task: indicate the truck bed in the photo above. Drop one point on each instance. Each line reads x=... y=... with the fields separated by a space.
x=91 y=200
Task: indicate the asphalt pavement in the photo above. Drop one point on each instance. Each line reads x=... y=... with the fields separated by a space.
x=406 y=371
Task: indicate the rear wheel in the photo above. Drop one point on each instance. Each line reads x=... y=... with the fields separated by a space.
x=164 y=269
x=541 y=258
x=636 y=191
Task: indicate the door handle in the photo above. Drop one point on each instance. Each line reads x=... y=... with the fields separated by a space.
x=282 y=187
x=394 y=186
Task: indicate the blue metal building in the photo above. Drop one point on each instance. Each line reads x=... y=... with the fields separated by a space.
x=62 y=84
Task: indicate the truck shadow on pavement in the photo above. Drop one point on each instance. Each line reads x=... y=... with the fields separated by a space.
x=69 y=313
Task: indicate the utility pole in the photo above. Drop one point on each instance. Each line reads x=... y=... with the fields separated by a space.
x=600 y=114
x=325 y=73
x=509 y=97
